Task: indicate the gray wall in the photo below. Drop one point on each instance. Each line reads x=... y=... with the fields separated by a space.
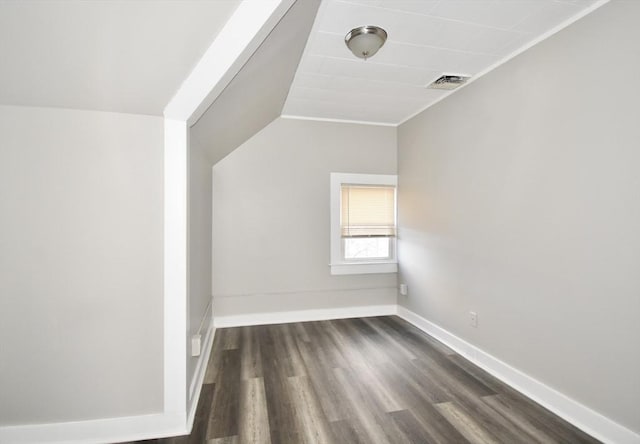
x=199 y=247
x=257 y=93
x=519 y=198
x=80 y=265
x=271 y=219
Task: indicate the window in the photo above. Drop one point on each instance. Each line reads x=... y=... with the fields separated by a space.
x=363 y=223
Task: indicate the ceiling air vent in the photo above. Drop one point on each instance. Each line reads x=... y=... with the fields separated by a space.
x=449 y=81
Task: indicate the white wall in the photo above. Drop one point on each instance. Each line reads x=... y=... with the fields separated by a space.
x=80 y=265
x=271 y=219
x=199 y=248
x=519 y=198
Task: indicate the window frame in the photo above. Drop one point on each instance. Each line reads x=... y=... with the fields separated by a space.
x=338 y=264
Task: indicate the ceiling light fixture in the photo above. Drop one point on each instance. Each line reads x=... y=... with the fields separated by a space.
x=365 y=41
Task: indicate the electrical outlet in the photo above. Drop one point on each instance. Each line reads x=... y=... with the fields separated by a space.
x=403 y=289
x=196 y=344
x=473 y=319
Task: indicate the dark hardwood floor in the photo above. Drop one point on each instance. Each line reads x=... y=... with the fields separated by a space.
x=367 y=380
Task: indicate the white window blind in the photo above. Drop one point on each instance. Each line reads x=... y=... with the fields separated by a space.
x=367 y=211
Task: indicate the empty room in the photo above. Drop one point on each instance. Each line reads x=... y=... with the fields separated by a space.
x=319 y=221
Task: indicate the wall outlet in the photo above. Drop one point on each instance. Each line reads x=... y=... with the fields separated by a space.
x=403 y=289
x=473 y=319
x=196 y=343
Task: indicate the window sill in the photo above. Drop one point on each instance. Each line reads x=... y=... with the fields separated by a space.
x=364 y=268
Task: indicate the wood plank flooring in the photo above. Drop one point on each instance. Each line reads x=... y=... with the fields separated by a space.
x=366 y=380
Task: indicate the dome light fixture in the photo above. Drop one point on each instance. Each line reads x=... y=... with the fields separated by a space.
x=365 y=41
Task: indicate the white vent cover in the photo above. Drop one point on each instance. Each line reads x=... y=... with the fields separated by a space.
x=449 y=81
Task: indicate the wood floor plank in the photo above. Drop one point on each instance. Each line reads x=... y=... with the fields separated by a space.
x=225 y=440
x=177 y=440
x=537 y=416
x=367 y=417
x=362 y=415
x=492 y=421
x=291 y=346
x=487 y=379
x=364 y=339
x=250 y=355
x=468 y=398
x=423 y=384
x=223 y=418
x=465 y=424
x=414 y=335
x=231 y=338
x=378 y=388
x=411 y=427
x=455 y=378
x=393 y=342
x=200 y=422
x=300 y=329
x=279 y=407
x=430 y=428
x=285 y=350
x=322 y=340
x=349 y=346
x=461 y=373
x=344 y=432
x=323 y=381
x=215 y=358
x=533 y=430
x=311 y=423
x=254 y=419
x=559 y=428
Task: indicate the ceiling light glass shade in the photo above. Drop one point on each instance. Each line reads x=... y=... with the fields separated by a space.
x=365 y=41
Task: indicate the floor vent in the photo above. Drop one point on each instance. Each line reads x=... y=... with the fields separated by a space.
x=449 y=81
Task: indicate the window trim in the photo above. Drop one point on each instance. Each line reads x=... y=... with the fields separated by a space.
x=337 y=264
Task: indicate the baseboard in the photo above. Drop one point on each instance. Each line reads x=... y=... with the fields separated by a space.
x=322 y=314
x=195 y=387
x=113 y=430
x=124 y=429
x=570 y=410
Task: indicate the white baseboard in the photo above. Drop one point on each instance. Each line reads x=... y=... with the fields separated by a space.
x=321 y=314
x=570 y=410
x=130 y=428
x=195 y=387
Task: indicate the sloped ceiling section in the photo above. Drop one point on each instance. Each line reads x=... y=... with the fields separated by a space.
x=257 y=94
x=106 y=55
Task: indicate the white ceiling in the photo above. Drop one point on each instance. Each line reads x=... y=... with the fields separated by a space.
x=132 y=55
x=426 y=38
x=116 y=55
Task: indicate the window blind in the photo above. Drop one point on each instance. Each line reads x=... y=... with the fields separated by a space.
x=367 y=211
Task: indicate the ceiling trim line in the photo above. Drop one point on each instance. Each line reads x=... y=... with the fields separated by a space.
x=515 y=53
x=326 y=119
